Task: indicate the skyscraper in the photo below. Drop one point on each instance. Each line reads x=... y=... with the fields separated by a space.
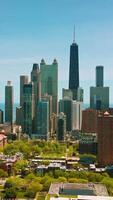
x=48 y=98
x=43 y=120
x=80 y=94
x=9 y=103
x=65 y=106
x=19 y=116
x=49 y=82
x=74 y=68
x=76 y=115
x=89 y=120
x=23 y=80
x=105 y=139
x=53 y=123
x=1 y=116
x=61 y=127
x=99 y=95
x=28 y=109
x=99 y=76
x=67 y=93
x=36 y=79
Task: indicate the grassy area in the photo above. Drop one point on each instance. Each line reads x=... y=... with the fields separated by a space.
x=53 y=155
x=20 y=195
x=41 y=196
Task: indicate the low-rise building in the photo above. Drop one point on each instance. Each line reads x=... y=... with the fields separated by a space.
x=3 y=140
x=88 y=144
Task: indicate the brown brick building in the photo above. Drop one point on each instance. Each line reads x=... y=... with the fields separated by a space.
x=105 y=139
x=89 y=120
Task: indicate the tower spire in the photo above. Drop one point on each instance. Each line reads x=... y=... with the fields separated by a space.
x=74 y=35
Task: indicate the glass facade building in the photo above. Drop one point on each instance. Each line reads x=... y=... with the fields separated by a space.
x=9 y=103
x=49 y=82
x=28 y=108
x=43 y=120
x=74 y=69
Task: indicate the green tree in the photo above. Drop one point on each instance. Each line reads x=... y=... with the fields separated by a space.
x=76 y=180
x=10 y=193
x=32 y=189
x=94 y=177
x=18 y=146
x=15 y=182
x=47 y=183
x=20 y=166
x=62 y=179
x=3 y=174
x=36 y=150
x=108 y=182
x=10 y=149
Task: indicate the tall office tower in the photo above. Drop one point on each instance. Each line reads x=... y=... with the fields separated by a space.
x=43 y=120
x=36 y=79
x=74 y=68
x=105 y=139
x=65 y=106
x=80 y=94
x=28 y=108
x=49 y=82
x=1 y=116
x=99 y=76
x=77 y=115
x=23 y=80
x=53 y=124
x=67 y=93
x=99 y=95
x=48 y=98
x=19 y=115
x=61 y=127
x=9 y=103
x=89 y=120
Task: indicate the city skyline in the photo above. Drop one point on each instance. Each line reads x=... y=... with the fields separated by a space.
x=28 y=35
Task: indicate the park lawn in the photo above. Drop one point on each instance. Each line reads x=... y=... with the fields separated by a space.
x=53 y=155
x=41 y=196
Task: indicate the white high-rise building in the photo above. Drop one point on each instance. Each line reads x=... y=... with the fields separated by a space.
x=77 y=115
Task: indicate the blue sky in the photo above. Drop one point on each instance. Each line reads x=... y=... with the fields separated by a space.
x=35 y=29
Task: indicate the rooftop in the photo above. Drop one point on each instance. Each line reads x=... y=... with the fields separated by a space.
x=74 y=189
x=83 y=198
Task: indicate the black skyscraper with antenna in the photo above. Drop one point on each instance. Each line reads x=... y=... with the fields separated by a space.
x=74 y=68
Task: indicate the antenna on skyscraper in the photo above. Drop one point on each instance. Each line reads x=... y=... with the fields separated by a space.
x=74 y=35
